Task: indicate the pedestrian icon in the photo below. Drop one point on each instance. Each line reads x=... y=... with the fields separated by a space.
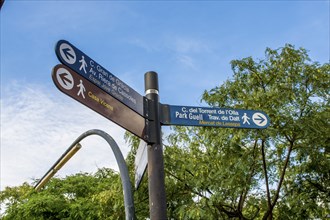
x=81 y=89
x=245 y=119
x=83 y=64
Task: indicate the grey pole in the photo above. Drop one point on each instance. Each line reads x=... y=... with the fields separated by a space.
x=127 y=187
x=156 y=177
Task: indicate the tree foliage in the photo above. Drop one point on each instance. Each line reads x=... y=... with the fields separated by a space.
x=80 y=196
x=282 y=172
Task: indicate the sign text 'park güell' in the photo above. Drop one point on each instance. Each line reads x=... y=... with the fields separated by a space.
x=214 y=117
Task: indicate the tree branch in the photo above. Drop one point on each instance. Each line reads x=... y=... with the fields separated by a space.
x=265 y=172
x=247 y=188
x=286 y=163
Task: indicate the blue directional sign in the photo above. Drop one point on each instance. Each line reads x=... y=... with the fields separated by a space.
x=85 y=66
x=214 y=117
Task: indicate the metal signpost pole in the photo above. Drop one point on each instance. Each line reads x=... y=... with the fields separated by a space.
x=156 y=177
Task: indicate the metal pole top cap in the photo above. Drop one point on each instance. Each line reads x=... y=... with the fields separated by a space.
x=150 y=80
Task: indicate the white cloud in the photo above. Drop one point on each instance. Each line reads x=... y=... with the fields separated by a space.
x=39 y=124
x=147 y=46
x=186 y=61
x=191 y=45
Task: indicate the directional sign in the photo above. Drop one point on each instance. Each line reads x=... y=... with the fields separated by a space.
x=82 y=64
x=214 y=117
x=80 y=89
x=141 y=162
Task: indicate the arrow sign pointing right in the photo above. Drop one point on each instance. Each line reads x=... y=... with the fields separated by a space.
x=213 y=117
x=259 y=119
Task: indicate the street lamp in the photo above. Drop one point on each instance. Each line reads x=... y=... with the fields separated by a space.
x=123 y=170
x=67 y=156
x=57 y=166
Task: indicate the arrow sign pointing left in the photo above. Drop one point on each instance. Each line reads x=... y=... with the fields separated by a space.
x=88 y=94
x=85 y=66
x=64 y=78
x=67 y=53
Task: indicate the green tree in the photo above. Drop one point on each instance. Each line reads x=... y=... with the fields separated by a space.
x=281 y=172
x=80 y=196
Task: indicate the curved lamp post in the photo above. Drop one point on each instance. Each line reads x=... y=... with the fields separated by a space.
x=75 y=146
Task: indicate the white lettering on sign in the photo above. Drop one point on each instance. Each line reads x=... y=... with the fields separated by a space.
x=101 y=70
x=232 y=112
x=195 y=117
x=193 y=110
x=122 y=85
x=233 y=118
x=123 y=93
x=94 y=80
x=180 y=115
x=92 y=71
x=104 y=80
x=214 y=118
x=112 y=78
x=207 y=111
x=109 y=83
x=217 y=116
x=221 y=112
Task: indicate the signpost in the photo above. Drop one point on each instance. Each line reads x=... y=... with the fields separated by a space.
x=80 y=89
x=214 y=117
x=141 y=162
x=89 y=83
x=85 y=66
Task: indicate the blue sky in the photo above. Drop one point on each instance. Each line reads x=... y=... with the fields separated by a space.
x=189 y=43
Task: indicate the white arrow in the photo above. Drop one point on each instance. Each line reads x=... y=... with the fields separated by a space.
x=67 y=53
x=259 y=119
x=64 y=78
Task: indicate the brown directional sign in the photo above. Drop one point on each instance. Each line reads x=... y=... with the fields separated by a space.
x=80 y=89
